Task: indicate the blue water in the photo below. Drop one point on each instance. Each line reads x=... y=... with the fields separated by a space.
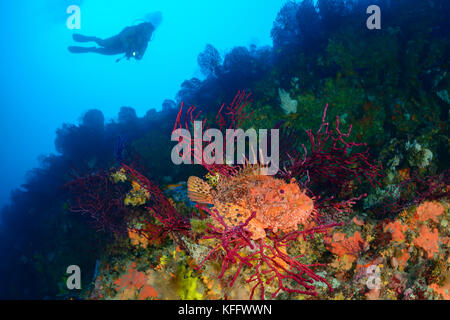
x=43 y=85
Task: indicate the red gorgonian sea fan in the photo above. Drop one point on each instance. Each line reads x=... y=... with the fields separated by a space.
x=170 y=222
x=267 y=258
x=229 y=116
x=103 y=200
x=232 y=228
x=332 y=165
x=331 y=159
x=96 y=196
x=414 y=190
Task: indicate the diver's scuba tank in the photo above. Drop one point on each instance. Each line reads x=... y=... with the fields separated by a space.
x=155 y=18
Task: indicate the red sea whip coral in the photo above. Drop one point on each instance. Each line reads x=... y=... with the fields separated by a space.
x=332 y=164
x=170 y=222
x=268 y=257
x=269 y=262
x=414 y=190
x=229 y=117
x=103 y=200
x=331 y=159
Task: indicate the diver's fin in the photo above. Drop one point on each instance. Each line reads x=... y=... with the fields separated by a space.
x=199 y=190
x=80 y=38
x=81 y=49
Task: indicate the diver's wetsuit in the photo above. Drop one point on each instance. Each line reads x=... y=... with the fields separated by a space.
x=132 y=41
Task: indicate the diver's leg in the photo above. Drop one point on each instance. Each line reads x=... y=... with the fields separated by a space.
x=108 y=43
x=107 y=51
x=104 y=51
x=81 y=49
x=109 y=46
x=80 y=38
x=111 y=42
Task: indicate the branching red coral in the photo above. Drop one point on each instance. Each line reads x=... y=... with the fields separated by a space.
x=103 y=200
x=170 y=221
x=267 y=258
x=229 y=117
x=332 y=159
x=415 y=190
x=97 y=196
x=332 y=164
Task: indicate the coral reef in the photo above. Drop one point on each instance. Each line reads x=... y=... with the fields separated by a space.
x=358 y=210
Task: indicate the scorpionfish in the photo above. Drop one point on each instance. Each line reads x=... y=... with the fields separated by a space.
x=278 y=205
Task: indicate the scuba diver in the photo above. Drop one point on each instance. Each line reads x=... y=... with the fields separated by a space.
x=132 y=41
